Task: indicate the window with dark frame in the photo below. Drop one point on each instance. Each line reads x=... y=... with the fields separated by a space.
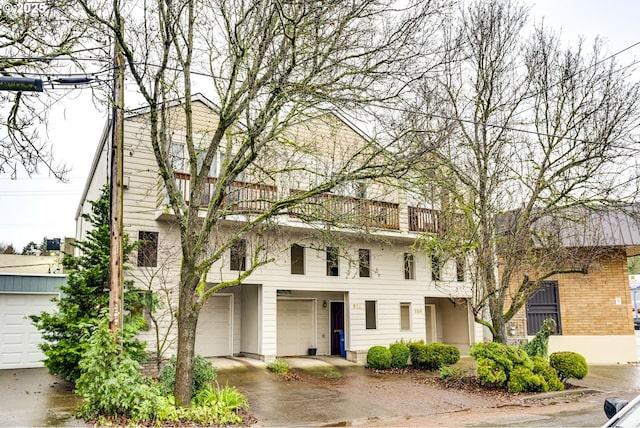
x=460 y=268
x=370 y=314
x=148 y=249
x=544 y=304
x=364 y=261
x=239 y=256
x=436 y=268
x=332 y=262
x=297 y=259
x=409 y=266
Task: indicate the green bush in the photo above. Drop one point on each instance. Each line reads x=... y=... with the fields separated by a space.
x=379 y=357
x=399 y=355
x=110 y=382
x=203 y=373
x=544 y=369
x=433 y=356
x=496 y=363
x=452 y=375
x=522 y=379
x=539 y=345
x=569 y=365
x=279 y=366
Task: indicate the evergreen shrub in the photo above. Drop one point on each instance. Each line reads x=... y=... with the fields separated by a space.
x=569 y=365
x=399 y=355
x=433 y=356
x=379 y=357
x=510 y=367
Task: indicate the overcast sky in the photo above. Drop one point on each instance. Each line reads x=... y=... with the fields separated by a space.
x=38 y=207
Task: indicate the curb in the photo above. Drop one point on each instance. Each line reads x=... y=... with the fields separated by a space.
x=560 y=394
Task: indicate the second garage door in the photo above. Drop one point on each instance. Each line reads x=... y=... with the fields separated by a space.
x=213 y=338
x=19 y=339
x=296 y=327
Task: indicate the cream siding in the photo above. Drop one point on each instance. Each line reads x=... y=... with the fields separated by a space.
x=255 y=306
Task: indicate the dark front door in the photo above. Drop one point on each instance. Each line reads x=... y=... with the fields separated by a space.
x=337 y=326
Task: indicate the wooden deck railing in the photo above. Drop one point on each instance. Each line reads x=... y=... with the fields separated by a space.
x=240 y=197
x=245 y=197
x=344 y=210
x=426 y=220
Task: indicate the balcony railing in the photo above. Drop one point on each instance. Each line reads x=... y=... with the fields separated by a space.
x=345 y=210
x=252 y=198
x=240 y=197
x=426 y=220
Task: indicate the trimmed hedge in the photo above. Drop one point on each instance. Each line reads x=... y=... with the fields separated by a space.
x=399 y=355
x=433 y=356
x=569 y=365
x=379 y=357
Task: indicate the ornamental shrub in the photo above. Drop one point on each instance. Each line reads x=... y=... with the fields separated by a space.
x=522 y=379
x=569 y=365
x=433 y=356
x=379 y=357
x=399 y=355
x=496 y=362
x=110 y=382
x=203 y=373
x=544 y=369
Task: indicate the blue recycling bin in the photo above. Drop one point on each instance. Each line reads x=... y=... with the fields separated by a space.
x=343 y=352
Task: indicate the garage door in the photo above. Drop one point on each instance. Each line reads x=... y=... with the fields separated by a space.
x=18 y=338
x=213 y=337
x=296 y=327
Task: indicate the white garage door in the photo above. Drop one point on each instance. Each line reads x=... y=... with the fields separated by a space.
x=296 y=327
x=213 y=337
x=19 y=339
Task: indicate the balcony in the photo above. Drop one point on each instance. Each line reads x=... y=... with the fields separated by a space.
x=426 y=220
x=241 y=198
x=252 y=198
x=346 y=210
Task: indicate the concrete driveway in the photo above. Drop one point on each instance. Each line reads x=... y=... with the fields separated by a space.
x=334 y=392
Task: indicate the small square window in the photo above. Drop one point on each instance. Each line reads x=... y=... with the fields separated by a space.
x=297 y=259
x=370 y=314
x=148 y=249
x=332 y=262
x=239 y=256
x=409 y=266
x=405 y=316
x=364 y=260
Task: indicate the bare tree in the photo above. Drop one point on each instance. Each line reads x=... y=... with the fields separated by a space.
x=271 y=65
x=159 y=285
x=538 y=137
x=37 y=41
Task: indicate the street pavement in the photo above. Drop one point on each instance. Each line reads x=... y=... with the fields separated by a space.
x=32 y=397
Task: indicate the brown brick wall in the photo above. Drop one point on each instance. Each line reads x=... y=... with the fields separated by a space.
x=588 y=302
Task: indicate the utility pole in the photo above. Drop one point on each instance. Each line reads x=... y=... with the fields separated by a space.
x=117 y=141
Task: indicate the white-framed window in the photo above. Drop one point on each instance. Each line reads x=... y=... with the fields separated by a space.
x=405 y=316
x=370 y=314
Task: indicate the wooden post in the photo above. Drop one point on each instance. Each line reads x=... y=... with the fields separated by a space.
x=117 y=140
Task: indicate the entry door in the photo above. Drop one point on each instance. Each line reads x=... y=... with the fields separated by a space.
x=337 y=326
x=430 y=322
